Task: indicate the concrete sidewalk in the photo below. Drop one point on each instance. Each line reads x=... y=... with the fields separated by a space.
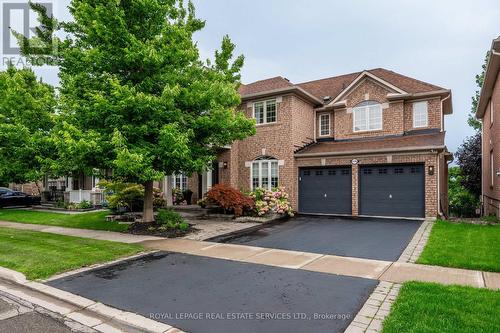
x=396 y=272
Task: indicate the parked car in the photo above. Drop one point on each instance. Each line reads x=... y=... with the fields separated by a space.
x=10 y=198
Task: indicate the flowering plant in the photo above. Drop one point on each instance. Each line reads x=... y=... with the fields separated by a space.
x=274 y=201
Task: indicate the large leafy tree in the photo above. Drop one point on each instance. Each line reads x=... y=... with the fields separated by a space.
x=472 y=120
x=27 y=109
x=135 y=97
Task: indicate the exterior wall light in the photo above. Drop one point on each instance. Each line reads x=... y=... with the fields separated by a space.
x=431 y=170
x=224 y=165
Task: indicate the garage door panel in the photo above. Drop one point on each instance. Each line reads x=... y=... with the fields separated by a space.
x=396 y=190
x=325 y=191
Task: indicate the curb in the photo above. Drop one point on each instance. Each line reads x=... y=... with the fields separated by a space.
x=87 y=312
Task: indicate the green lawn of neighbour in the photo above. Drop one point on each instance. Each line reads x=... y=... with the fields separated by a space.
x=464 y=246
x=428 y=307
x=96 y=220
x=39 y=255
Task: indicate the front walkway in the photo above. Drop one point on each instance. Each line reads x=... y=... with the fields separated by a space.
x=396 y=272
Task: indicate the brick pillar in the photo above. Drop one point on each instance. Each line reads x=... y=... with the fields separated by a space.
x=355 y=173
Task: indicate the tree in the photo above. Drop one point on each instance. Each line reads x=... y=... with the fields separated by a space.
x=472 y=120
x=135 y=96
x=462 y=202
x=469 y=160
x=26 y=117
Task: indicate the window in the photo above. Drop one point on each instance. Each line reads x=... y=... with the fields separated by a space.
x=307 y=173
x=345 y=173
x=265 y=173
x=382 y=171
x=324 y=124
x=179 y=181
x=265 y=112
x=319 y=173
x=367 y=116
x=399 y=170
x=367 y=171
x=420 y=114
x=332 y=172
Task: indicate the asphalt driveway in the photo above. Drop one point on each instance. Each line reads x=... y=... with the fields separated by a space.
x=369 y=238
x=200 y=294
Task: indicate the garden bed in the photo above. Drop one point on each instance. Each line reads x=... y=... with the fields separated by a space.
x=156 y=229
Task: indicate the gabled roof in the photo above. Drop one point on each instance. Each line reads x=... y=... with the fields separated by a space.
x=490 y=78
x=420 y=140
x=334 y=86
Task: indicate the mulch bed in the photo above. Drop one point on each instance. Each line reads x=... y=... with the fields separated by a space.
x=153 y=229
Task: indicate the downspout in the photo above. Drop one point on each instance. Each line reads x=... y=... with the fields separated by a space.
x=440 y=212
x=442 y=113
x=315 y=121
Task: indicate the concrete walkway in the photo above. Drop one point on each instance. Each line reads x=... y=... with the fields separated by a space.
x=396 y=272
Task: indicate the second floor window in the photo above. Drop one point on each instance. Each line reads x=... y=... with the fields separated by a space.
x=324 y=124
x=420 y=114
x=367 y=116
x=265 y=112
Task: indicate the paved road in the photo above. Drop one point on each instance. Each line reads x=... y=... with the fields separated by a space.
x=23 y=317
x=380 y=239
x=200 y=294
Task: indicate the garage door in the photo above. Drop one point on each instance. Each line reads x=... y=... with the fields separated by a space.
x=392 y=190
x=325 y=191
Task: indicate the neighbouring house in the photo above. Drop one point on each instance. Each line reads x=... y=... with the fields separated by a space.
x=487 y=110
x=369 y=143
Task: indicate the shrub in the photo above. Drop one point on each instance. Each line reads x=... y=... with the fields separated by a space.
x=461 y=201
x=275 y=201
x=171 y=220
x=84 y=204
x=230 y=199
x=177 y=196
x=130 y=195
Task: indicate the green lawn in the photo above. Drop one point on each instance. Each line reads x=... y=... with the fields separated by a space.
x=96 y=221
x=463 y=246
x=428 y=307
x=39 y=255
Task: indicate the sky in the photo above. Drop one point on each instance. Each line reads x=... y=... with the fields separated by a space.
x=441 y=42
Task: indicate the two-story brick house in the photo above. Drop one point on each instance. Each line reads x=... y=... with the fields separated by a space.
x=487 y=111
x=367 y=143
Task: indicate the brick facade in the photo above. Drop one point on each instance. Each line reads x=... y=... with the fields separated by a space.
x=297 y=126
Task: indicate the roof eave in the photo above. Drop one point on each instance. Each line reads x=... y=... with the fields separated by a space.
x=294 y=89
x=373 y=151
x=489 y=78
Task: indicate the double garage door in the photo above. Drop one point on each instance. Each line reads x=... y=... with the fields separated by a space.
x=383 y=190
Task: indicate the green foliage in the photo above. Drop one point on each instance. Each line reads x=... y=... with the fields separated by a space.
x=135 y=96
x=472 y=120
x=122 y=194
x=171 y=220
x=85 y=204
x=462 y=202
x=27 y=109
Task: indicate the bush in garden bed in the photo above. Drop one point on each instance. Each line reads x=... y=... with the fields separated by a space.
x=275 y=201
x=229 y=199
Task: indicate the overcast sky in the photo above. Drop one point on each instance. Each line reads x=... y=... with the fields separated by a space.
x=441 y=42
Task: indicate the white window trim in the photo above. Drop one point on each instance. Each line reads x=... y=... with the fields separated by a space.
x=269 y=173
x=181 y=187
x=329 y=124
x=265 y=111
x=426 y=111
x=367 y=108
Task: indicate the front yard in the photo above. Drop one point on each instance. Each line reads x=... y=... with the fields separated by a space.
x=428 y=307
x=463 y=246
x=40 y=255
x=95 y=220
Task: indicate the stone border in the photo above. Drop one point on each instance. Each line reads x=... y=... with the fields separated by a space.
x=87 y=312
x=378 y=306
x=418 y=242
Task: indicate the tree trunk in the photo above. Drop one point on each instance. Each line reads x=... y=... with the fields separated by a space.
x=147 y=214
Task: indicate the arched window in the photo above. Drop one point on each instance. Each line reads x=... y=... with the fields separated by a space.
x=367 y=116
x=265 y=173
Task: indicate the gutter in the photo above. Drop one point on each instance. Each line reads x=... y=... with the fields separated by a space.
x=293 y=89
x=371 y=151
x=442 y=113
